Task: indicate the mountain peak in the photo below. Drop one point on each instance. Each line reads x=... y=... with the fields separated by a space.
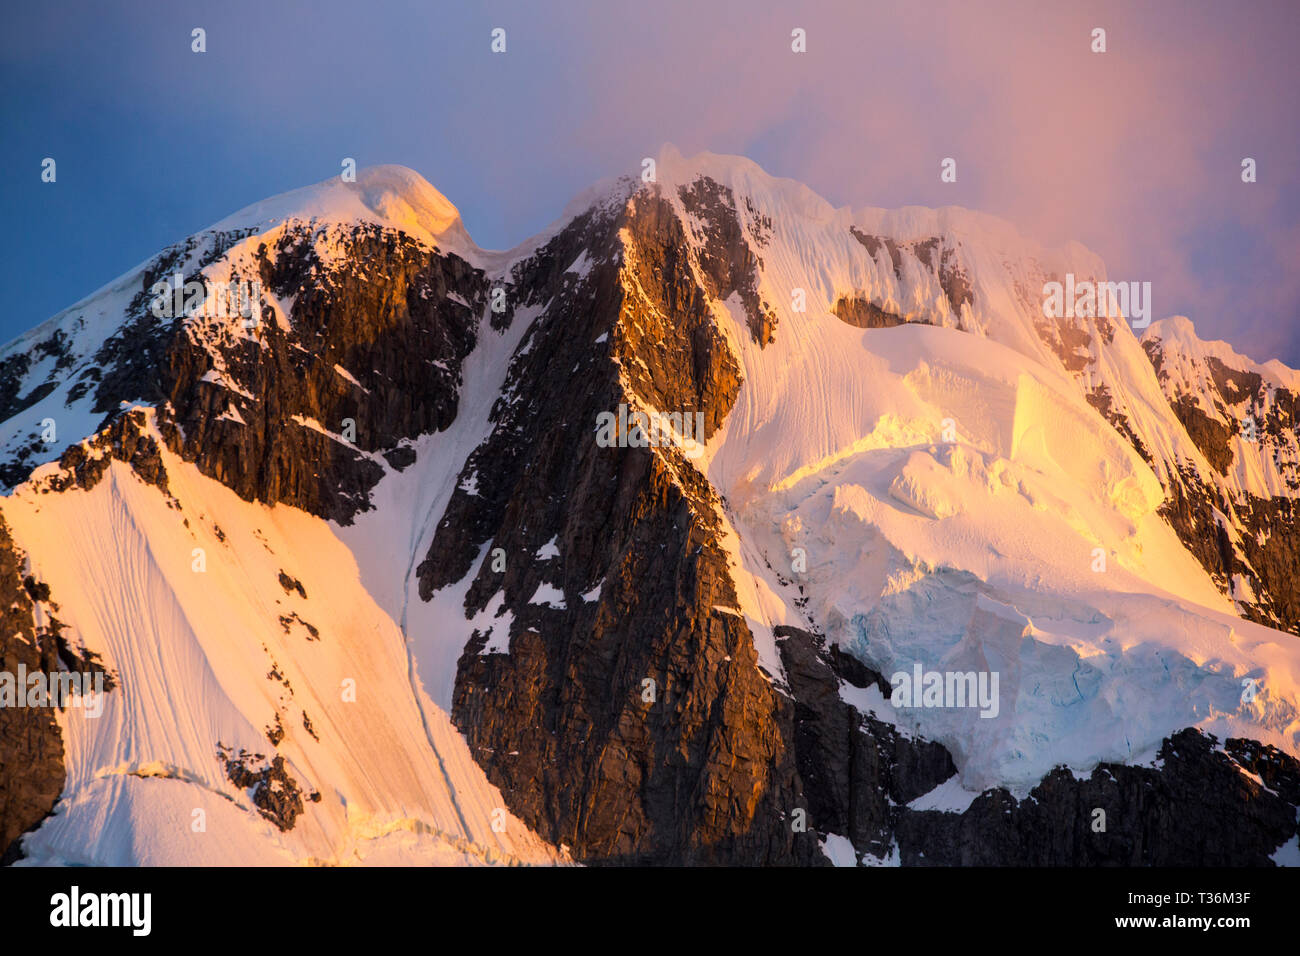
x=1178 y=333
x=387 y=195
x=784 y=198
x=744 y=177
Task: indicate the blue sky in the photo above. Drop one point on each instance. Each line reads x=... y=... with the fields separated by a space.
x=1134 y=152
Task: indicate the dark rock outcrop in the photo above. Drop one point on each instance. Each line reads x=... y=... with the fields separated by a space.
x=305 y=408
x=1100 y=399
x=1198 y=809
x=1265 y=552
x=937 y=255
x=1202 y=805
x=1209 y=435
x=371 y=357
x=126 y=439
x=864 y=314
x=272 y=790
x=1236 y=534
x=634 y=726
x=725 y=258
x=31 y=744
x=854 y=768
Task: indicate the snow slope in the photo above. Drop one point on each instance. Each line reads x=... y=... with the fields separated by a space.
x=408 y=506
x=206 y=658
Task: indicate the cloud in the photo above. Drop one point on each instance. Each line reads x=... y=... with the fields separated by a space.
x=1135 y=152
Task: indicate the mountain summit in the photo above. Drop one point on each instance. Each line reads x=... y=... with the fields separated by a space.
x=371 y=577
x=393 y=197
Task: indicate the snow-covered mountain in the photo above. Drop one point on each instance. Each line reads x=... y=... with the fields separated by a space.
x=371 y=583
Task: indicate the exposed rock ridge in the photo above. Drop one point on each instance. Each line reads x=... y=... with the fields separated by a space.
x=692 y=767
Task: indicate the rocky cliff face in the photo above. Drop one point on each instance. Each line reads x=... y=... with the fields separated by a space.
x=1205 y=805
x=33 y=642
x=627 y=717
x=31 y=746
x=1245 y=424
x=355 y=348
x=370 y=356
